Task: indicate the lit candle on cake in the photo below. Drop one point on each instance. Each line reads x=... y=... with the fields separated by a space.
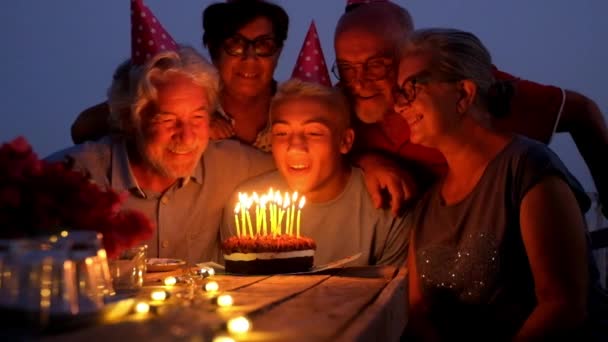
x=302 y=201
x=237 y=208
x=286 y=203
x=294 y=198
x=248 y=205
x=258 y=223
x=278 y=206
x=263 y=210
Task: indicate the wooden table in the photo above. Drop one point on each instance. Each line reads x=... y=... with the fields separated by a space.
x=347 y=304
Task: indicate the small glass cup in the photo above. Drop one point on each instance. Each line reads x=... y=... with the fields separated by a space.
x=129 y=268
x=47 y=286
x=82 y=245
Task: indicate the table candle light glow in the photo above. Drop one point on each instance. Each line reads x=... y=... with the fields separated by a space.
x=170 y=281
x=142 y=307
x=212 y=286
x=239 y=325
x=223 y=339
x=158 y=295
x=275 y=214
x=224 y=300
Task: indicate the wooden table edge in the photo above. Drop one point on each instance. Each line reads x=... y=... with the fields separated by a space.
x=385 y=318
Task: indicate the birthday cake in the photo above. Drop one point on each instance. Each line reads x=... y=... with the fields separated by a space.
x=268 y=254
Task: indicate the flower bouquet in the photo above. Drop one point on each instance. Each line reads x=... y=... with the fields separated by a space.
x=38 y=198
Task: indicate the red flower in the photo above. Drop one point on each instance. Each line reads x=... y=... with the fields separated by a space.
x=41 y=198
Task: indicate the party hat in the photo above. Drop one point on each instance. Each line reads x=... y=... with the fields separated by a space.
x=311 y=66
x=148 y=37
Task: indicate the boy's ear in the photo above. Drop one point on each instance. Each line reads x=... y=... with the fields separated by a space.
x=468 y=93
x=346 y=143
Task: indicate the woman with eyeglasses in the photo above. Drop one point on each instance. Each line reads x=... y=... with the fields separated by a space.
x=244 y=39
x=499 y=247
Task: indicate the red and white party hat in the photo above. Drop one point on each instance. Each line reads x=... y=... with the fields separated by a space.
x=148 y=37
x=311 y=66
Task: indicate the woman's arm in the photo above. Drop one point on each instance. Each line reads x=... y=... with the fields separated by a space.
x=553 y=233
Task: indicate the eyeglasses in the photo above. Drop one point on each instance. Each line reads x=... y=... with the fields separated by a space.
x=238 y=45
x=373 y=70
x=405 y=94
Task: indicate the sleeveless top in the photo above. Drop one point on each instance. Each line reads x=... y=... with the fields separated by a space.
x=471 y=260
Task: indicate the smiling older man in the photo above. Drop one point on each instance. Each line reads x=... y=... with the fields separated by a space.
x=163 y=158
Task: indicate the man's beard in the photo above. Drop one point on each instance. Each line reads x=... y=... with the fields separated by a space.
x=163 y=167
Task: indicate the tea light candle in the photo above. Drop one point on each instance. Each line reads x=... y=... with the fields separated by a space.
x=158 y=295
x=223 y=338
x=212 y=286
x=239 y=325
x=142 y=307
x=224 y=300
x=170 y=281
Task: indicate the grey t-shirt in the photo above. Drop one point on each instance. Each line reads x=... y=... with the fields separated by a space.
x=342 y=227
x=472 y=264
x=187 y=216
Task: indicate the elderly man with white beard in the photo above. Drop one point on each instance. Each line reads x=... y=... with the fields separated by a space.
x=163 y=159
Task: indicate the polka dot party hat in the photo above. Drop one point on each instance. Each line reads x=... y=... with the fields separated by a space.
x=311 y=66
x=148 y=37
